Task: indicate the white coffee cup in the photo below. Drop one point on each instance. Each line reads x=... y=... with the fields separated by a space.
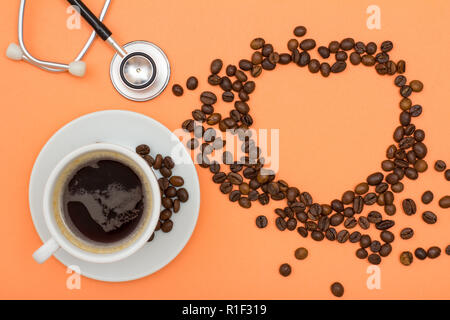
x=61 y=235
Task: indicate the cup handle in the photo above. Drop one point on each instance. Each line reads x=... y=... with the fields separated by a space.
x=46 y=251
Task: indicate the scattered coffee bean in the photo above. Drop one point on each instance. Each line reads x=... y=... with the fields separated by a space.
x=429 y=217
x=374 y=259
x=406 y=258
x=192 y=83
x=409 y=207
x=337 y=289
x=407 y=233
x=427 y=197
x=261 y=222
x=444 y=202
x=299 y=31
x=420 y=253
x=433 y=252
x=440 y=166
x=285 y=270
x=301 y=253
x=177 y=90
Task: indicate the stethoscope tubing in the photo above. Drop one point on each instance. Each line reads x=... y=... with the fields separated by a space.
x=48 y=65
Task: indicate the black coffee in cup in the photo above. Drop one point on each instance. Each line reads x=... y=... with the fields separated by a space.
x=103 y=201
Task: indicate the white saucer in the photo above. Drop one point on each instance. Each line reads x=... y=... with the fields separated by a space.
x=128 y=129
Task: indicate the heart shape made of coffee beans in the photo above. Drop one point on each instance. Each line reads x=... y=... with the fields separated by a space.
x=247 y=180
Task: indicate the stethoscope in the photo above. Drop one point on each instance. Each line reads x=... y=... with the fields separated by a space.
x=139 y=70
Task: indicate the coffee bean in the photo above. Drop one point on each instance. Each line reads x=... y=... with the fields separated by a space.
x=334 y=46
x=368 y=60
x=341 y=56
x=374 y=259
x=304 y=59
x=176 y=181
x=355 y=58
x=427 y=197
x=420 y=165
x=299 y=31
x=362 y=188
x=363 y=223
x=261 y=222
x=406 y=258
x=281 y=224
x=314 y=66
x=143 y=149
x=307 y=44
x=444 y=202
x=342 y=236
x=257 y=43
x=337 y=289
x=285 y=58
x=234 y=196
x=381 y=188
x=230 y=70
x=214 y=80
x=325 y=69
x=387 y=236
x=409 y=207
x=416 y=85
x=385 y=224
x=420 y=253
x=208 y=98
x=317 y=235
x=429 y=217
x=291 y=224
x=167 y=226
x=331 y=234
x=406 y=233
x=440 y=166
x=228 y=96
x=362 y=253
x=152 y=237
x=391 y=67
x=374 y=217
x=177 y=90
x=338 y=66
x=433 y=252
x=405 y=91
x=382 y=57
x=358 y=204
x=390 y=152
x=381 y=68
x=360 y=47
x=365 y=241
x=385 y=250
x=302 y=231
x=285 y=270
x=355 y=237
x=390 y=209
x=324 y=52
x=350 y=223
x=370 y=198
x=267 y=49
x=347 y=44
x=415 y=110
x=226 y=187
x=192 y=83
x=398 y=187
x=348 y=197
x=401 y=66
x=375 y=246
x=245 y=65
x=301 y=253
x=216 y=66
x=386 y=46
x=447 y=174
x=447 y=250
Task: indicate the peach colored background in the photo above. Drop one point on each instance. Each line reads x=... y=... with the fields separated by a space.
x=339 y=129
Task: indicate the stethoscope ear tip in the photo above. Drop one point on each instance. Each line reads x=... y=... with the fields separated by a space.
x=14 y=52
x=77 y=68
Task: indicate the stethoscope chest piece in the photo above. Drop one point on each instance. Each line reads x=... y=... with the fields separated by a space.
x=143 y=73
